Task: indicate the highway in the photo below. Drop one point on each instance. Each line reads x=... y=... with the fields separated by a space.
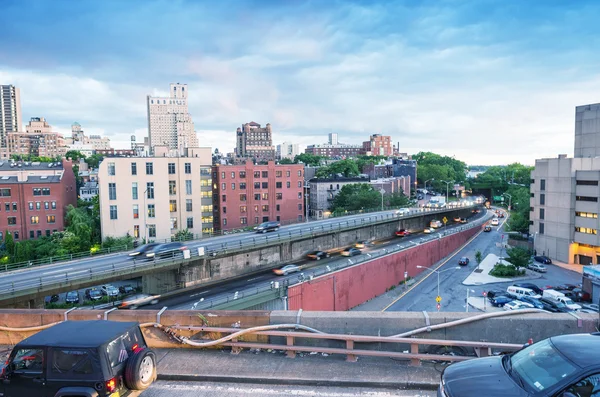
x=84 y=269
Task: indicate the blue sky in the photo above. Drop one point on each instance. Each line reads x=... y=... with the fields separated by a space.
x=490 y=82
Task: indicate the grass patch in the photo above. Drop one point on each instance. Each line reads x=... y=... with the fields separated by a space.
x=501 y=270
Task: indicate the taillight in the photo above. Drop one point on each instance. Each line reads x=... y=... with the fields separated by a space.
x=111 y=385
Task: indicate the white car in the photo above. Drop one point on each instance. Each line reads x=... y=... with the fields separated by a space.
x=516 y=305
x=495 y=222
x=109 y=290
x=429 y=230
x=402 y=211
x=591 y=306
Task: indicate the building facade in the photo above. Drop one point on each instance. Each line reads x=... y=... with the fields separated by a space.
x=324 y=190
x=11 y=119
x=169 y=122
x=392 y=168
x=337 y=151
x=247 y=195
x=394 y=185
x=34 y=198
x=255 y=142
x=37 y=140
x=378 y=145
x=153 y=198
x=287 y=150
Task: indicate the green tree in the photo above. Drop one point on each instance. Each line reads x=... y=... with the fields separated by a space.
x=75 y=155
x=434 y=166
x=396 y=200
x=285 y=160
x=347 y=168
x=518 y=257
x=308 y=159
x=356 y=197
x=9 y=243
x=94 y=160
x=478 y=258
x=361 y=161
x=183 y=235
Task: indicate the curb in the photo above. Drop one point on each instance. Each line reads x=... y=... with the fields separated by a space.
x=410 y=385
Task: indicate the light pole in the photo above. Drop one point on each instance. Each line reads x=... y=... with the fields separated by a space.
x=509 y=199
x=447 y=182
x=432 y=179
x=145 y=218
x=306 y=204
x=382 y=192
x=438 y=274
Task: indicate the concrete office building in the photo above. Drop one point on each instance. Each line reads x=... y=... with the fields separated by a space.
x=169 y=122
x=255 y=142
x=153 y=198
x=11 y=119
x=565 y=197
x=287 y=150
x=332 y=138
x=324 y=190
x=247 y=195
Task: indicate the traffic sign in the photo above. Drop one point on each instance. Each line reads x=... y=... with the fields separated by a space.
x=484 y=293
x=445 y=220
x=438 y=299
x=438 y=307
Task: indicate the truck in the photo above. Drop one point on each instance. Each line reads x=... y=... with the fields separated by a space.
x=437 y=202
x=560 y=297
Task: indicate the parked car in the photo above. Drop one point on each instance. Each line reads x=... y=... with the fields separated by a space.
x=532 y=301
x=537 y=267
x=72 y=297
x=530 y=286
x=265 y=227
x=142 y=250
x=166 y=250
x=558 y=306
x=567 y=287
x=517 y=304
x=542 y=259
x=487 y=229
x=491 y=294
x=500 y=301
x=126 y=289
x=80 y=358
x=563 y=366
x=317 y=255
x=52 y=298
x=429 y=230
x=420 y=197
x=361 y=244
x=93 y=294
x=350 y=252
x=134 y=301
x=457 y=219
x=109 y=290
x=463 y=261
x=287 y=269
x=591 y=306
x=402 y=233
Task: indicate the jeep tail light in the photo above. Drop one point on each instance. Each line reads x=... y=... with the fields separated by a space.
x=111 y=385
x=136 y=348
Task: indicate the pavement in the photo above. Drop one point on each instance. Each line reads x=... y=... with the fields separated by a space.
x=481 y=276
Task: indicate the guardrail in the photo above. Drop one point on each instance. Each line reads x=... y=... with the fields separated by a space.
x=27 y=285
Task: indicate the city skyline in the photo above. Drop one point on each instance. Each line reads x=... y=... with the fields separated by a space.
x=447 y=77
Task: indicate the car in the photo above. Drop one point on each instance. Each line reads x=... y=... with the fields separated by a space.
x=580 y=295
x=109 y=290
x=463 y=261
x=72 y=297
x=494 y=222
x=93 y=294
x=142 y=250
x=287 y=269
x=475 y=211
x=568 y=287
x=569 y=294
x=166 y=250
x=351 y=251
x=429 y=230
x=591 y=306
x=494 y=293
x=134 y=301
x=402 y=211
x=557 y=306
x=463 y=220
x=532 y=301
x=420 y=197
x=516 y=305
x=361 y=244
x=500 y=301
x=457 y=219
x=126 y=289
x=271 y=226
x=317 y=255
x=542 y=259
x=487 y=229
x=501 y=215
x=530 y=286
x=80 y=358
x=537 y=267
x=402 y=233
x=563 y=366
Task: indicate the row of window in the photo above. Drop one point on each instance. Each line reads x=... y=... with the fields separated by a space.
x=171 y=167
x=244 y=220
x=112 y=190
x=4 y=192
x=586 y=198
x=587 y=183
x=32 y=234
x=12 y=220
x=41 y=191
x=38 y=205
x=257 y=174
x=265 y=208
x=258 y=197
x=189 y=225
x=151 y=209
x=587 y=214
x=586 y=230
x=258 y=185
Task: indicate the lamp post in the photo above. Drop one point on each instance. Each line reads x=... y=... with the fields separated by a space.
x=432 y=179
x=145 y=218
x=447 y=182
x=509 y=199
x=438 y=274
x=382 y=191
x=306 y=202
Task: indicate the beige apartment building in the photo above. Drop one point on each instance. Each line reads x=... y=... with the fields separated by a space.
x=37 y=140
x=152 y=198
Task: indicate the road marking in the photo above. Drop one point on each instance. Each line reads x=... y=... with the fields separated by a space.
x=58 y=271
x=200 y=293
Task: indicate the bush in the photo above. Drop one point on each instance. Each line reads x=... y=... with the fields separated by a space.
x=501 y=270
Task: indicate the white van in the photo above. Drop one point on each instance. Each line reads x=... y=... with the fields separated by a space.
x=435 y=224
x=560 y=297
x=495 y=222
x=519 y=292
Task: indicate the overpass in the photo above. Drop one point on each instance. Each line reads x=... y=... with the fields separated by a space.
x=211 y=260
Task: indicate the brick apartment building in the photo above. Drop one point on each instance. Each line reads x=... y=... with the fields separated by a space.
x=248 y=194
x=34 y=198
x=378 y=145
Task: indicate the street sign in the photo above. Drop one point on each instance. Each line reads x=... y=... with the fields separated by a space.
x=438 y=299
x=445 y=220
x=484 y=293
x=438 y=307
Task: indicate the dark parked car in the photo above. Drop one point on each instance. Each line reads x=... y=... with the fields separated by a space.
x=464 y=261
x=93 y=294
x=264 y=227
x=500 y=301
x=72 y=297
x=80 y=358
x=563 y=366
x=532 y=301
x=143 y=250
x=350 y=252
x=317 y=255
x=166 y=250
x=126 y=289
x=581 y=296
x=530 y=286
x=491 y=294
x=567 y=287
x=557 y=306
x=542 y=259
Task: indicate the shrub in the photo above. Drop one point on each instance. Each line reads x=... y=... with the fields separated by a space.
x=501 y=270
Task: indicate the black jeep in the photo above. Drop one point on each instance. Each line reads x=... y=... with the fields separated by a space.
x=80 y=358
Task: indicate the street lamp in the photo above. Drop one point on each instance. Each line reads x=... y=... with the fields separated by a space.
x=382 y=191
x=145 y=218
x=447 y=182
x=438 y=274
x=509 y=199
x=432 y=179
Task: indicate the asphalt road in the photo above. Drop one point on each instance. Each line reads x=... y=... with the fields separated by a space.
x=205 y=389
x=454 y=293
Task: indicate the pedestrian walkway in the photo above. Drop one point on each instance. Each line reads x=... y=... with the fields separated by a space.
x=572 y=267
x=482 y=276
x=482 y=304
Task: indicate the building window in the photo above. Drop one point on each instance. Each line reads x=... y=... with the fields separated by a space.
x=16 y=235
x=585 y=198
x=299 y=172
x=136 y=231
x=45 y=191
x=222 y=175
x=111 y=169
x=113 y=212
x=242 y=197
x=278 y=185
x=14 y=207
x=134 y=190
x=586 y=230
x=188 y=168
x=299 y=218
x=587 y=214
x=233 y=186
x=265 y=196
x=288 y=184
x=299 y=207
x=188 y=205
x=152 y=231
x=31 y=234
x=133 y=168
x=223 y=186
x=7 y=207
x=244 y=221
x=38 y=206
x=278 y=196
x=190 y=222
x=242 y=174
x=136 y=211
x=47 y=232
x=150 y=190
x=149 y=169
x=242 y=185
x=288 y=173
x=277 y=207
x=257 y=185
x=257 y=174
x=188 y=187
x=223 y=198
x=585 y=183
x=256 y=208
x=224 y=210
x=224 y=222
x=171 y=168
x=278 y=174
x=300 y=184
x=265 y=208
x=232 y=175
x=265 y=185
x=542 y=213
x=541 y=228
x=5 y=192
x=112 y=191
x=543 y=184
x=255 y=219
x=37 y=191
x=542 y=199
x=172 y=188
x=172 y=205
x=299 y=196
x=12 y=220
x=151 y=211
x=265 y=219
x=35 y=220
x=256 y=196
x=265 y=174
x=31 y=206
x=243 y=209
x=46 y=205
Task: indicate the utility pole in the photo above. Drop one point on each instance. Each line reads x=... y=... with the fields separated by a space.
x=145 y=218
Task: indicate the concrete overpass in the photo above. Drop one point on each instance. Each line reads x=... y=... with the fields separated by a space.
x=211 y=260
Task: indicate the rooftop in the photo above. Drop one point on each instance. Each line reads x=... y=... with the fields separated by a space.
x=12 y=165
x=341 y=179
x=6 y=180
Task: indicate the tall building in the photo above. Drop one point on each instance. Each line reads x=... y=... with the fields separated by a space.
x=169 y=122
x=287 y=150
x=587 y=131
x=153 y=198
x=378 y=145
x=10 y=112
x=34 y=197
x=255 y=142
x=37 y=140
x=247 y=195
x=86 y=144
x=333 y=138
x=333 y=149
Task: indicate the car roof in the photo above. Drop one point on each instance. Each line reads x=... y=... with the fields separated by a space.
x=84 y=334
x=582 y=349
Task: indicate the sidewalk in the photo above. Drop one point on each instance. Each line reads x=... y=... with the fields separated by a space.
x=483 y=277
x=573 y=268
x=306 y=369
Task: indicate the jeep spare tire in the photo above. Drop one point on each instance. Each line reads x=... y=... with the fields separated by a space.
x=140 y=370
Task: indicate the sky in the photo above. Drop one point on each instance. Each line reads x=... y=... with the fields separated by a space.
x=489 y=82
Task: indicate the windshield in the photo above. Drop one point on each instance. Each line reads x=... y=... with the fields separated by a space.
x=541 y=366
x=568 y=301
